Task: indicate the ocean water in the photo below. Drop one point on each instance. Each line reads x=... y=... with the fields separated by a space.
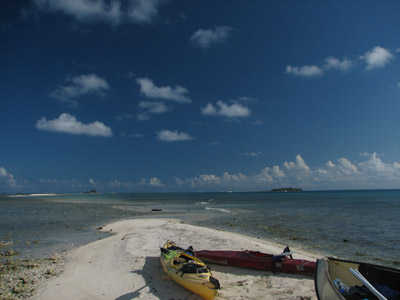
x=356 y=225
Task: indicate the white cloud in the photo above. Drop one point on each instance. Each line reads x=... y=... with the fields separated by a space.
x=378 y=57
x=149 y=107
x=305 y=71
x=209 y=110
x=371 y=173
x=298 y=169
x=155 y=182
x=124 y=116
x=265 y=175
x=117 y=184
x=6 y=178
x=204 y=38
x=301 y=164
x=80 y=86
x=235 y=110
x=346 y=166
x=334 y=63
x=67 y=123
x=154 y=107
x=173 y=136
x=3 y=172
x=252 y=154
x=211 y=180
x=330 y=164
x=113 y=12
x=177 y=93
x=375 y=166
x=289 y=165
x=277 y=172
x=144 y=11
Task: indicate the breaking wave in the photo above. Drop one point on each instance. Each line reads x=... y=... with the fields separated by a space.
x=217 y=209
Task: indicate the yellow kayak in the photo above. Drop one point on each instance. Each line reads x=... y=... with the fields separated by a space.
x=188 y=271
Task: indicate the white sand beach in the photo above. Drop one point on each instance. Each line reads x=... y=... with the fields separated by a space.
x=126 y=266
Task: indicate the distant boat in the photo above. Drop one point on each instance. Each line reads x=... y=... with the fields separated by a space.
x=281 y=263
x=338 y=279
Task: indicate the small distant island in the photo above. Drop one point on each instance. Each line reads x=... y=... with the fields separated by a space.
x=91 y=192
x=287 y=189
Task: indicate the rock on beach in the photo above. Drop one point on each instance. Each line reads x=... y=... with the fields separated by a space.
x=20 y=278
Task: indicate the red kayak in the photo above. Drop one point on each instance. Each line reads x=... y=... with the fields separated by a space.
x=261 y=261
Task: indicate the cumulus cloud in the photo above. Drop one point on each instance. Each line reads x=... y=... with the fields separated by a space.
x=6 y=178
x=376 y=58
x=173 y=136
x=152 y=182
x=209 y=110
x=155 y=182
x=67 y=123
x=79 y=86
x=305 y=71
x=235 y=110
x=341 y=173
x=226 y=181
x=344 y=174
x=150 y=90
x=149 y=107
x=144 y=11
x=113 y=12
x=205 y=38
x=335 y=63
x=375 y=165
x=330 y=164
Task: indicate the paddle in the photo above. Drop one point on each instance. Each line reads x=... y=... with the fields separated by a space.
x=360 y=277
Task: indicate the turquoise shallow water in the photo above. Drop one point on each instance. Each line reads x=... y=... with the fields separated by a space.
x=359 y=225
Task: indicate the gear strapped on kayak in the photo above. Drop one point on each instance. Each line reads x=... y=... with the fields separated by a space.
x=188 y=271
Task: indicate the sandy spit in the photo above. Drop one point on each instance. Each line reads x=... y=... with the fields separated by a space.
x=126 y=266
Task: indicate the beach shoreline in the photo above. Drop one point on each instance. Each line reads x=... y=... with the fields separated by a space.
x=126 y=265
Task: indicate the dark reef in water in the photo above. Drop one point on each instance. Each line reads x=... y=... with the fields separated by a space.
x=287 y=189
x=91 y=192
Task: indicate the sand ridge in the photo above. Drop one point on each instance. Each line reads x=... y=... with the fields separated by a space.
x=126 y=266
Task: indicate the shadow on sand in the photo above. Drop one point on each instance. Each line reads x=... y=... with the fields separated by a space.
x=158 y=284
x=162 y=287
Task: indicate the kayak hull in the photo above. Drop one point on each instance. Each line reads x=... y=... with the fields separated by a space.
x=258 y=260
x=188 y=271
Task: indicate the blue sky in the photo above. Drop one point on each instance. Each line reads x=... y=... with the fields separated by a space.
x=175 y=95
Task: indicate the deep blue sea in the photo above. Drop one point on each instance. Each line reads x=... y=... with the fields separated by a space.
x=356 y=225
